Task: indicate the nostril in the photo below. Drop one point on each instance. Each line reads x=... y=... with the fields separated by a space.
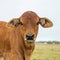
x=30 y=36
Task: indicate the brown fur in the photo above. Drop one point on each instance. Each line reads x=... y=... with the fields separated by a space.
x=13 y=43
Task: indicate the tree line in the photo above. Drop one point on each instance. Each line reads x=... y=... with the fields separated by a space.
x=49 y=42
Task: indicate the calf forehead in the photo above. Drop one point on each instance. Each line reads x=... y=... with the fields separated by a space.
x=29 y=16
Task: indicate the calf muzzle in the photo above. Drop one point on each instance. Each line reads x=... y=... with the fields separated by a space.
x=30 y=37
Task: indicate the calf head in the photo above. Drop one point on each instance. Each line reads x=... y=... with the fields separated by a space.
x=28 y=25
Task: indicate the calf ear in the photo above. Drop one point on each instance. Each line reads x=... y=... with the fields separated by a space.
x=45 y=22
x=15 y=22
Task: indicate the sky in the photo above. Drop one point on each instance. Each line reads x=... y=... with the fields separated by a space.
x=44 y=8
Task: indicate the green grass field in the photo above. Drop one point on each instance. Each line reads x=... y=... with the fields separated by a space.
x=46 y=52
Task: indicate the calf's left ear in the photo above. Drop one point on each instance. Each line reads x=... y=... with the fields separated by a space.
x=45 y=22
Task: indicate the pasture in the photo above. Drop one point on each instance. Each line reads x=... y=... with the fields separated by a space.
x=46 y=52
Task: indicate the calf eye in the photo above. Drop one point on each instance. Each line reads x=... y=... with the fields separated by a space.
x=38 y=23
x=21 y=23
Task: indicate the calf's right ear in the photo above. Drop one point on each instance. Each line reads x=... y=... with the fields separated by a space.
x=15 y=22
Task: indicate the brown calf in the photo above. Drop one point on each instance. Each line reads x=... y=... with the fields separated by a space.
x=18 y=42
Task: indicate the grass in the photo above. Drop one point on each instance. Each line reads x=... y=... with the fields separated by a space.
x=46 y=52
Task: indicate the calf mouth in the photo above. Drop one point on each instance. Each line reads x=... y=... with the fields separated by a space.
x=30 y=41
